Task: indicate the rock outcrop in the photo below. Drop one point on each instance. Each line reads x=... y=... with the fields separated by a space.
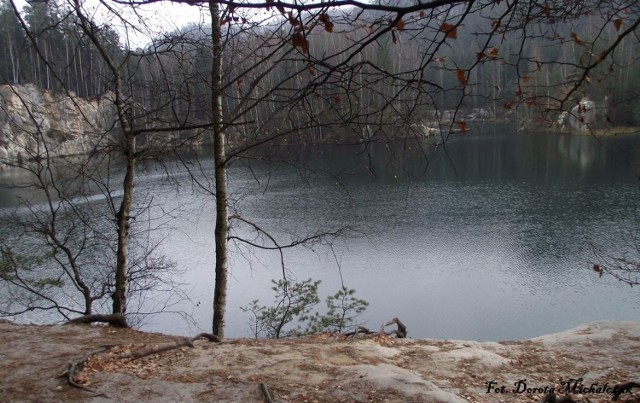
x=32 y=118
x=582 y=116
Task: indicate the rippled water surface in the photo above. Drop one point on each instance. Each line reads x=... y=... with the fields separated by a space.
x=491 y=238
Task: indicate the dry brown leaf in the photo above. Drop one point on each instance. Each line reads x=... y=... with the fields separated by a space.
x=298 y=40
x=461 y=77
x=617 y=23
x=326 y=21
x=292 y=20
x=311 y=70
x=450 y=30
x=577 y=40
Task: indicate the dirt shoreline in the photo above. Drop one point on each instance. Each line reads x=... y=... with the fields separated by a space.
x=585 y=362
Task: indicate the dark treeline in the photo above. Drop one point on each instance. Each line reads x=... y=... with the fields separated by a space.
x=53 y=53
x=530 y=69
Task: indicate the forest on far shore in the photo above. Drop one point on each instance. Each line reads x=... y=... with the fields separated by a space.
x=175 y=68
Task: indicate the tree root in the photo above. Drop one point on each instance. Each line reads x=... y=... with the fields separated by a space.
x=208 y=336
x=115 y=320
x=186 y=342
x=623 y=388
x=359 y=330
x=76 y=367
x=552 y=398
x=147 y=351
x=266 y=393
x=400 y=332
x=616 y=392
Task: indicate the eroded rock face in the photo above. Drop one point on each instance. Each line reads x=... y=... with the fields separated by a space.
x=581 y=117
x=35 y=121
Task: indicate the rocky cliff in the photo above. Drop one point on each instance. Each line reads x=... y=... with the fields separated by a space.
x=32 y=118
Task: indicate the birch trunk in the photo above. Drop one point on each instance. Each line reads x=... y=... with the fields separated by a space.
x=122 y=223
x=222 y=226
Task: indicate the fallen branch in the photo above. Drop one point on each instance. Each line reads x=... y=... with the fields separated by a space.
x=400 y=332
x=115 y=320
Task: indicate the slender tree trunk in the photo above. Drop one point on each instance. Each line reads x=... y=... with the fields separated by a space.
x=14 y=70
x=75 y=73
x=46 y=68
x=222 y=225
x=67 y=65
x=122 y=219
x=123 y=216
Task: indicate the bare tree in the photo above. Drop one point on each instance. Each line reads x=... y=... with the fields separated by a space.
x=623 y=266
x=74 y=228
x=305 y=70
x=59 y=237
x=324 y=88
x=357 y=72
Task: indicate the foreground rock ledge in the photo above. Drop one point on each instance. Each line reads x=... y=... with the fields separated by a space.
x=323 y=368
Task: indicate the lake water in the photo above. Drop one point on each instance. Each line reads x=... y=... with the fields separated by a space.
x=490 y=238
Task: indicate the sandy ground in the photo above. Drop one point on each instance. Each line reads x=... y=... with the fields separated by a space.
x=324 y=368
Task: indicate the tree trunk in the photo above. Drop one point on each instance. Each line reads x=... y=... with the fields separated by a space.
x=222 y=225
x=122 y=222
x=14 y=70
x=123 y=215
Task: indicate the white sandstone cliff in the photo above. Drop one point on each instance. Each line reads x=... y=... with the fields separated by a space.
x=35 y=121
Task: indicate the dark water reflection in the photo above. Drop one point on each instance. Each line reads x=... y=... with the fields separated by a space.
x=489 y=238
